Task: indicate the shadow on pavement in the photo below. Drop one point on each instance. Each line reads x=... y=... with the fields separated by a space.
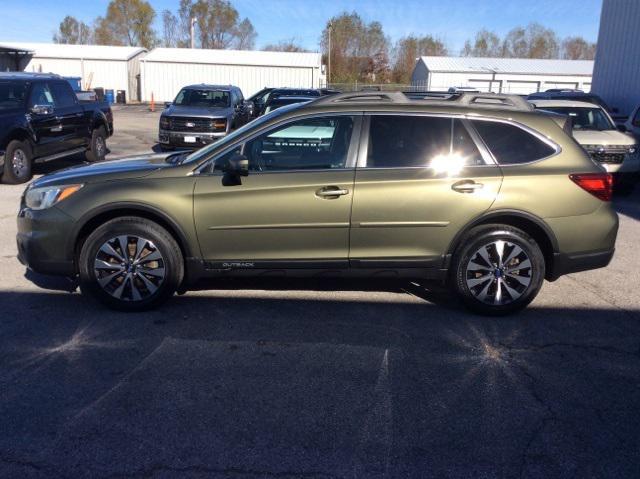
x=280 y=383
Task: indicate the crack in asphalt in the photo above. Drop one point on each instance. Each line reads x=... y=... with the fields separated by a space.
x=587 y=347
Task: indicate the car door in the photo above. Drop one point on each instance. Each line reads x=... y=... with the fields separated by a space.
x=47 y=130
x=293 y=208
x=70 y=113
x=420 y=179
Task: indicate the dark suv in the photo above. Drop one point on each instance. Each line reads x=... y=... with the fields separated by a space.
x=41 y=119
x=477 y=190
x=201 y=114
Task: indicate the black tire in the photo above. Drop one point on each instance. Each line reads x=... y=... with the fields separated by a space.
x=18 y=161
x=98 y=146
x=503 y=281
x=131 y=227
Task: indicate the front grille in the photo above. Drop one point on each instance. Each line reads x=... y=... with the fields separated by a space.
x=196 y=124
x=610 y=154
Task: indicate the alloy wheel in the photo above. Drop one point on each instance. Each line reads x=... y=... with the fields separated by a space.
x=129 y=268
x=19 y=163
x=498 y=273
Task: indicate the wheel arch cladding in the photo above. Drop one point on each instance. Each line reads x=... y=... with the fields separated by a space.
x=98 y=218
x=531 y=225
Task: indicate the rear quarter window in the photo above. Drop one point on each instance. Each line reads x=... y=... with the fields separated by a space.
x=511 y=145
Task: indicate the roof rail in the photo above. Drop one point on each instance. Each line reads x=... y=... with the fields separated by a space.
x=479 y=100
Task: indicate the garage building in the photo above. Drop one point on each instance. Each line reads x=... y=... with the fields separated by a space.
x=501 y=75
x=111 y=68
x=616 y=76
x=166 y=70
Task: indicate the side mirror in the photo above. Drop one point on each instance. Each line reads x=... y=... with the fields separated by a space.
x=622 y=128
x=233 y=169
x=167 y=104
x=42 y=109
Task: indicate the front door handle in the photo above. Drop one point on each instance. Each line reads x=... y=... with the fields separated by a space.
x=466 y=186
x=330 y=192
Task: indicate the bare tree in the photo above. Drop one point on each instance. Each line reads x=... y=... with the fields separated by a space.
x=169 y=29
x=485 y=44
x=408 y=49
x=289 y=45
x=353 y=44
x=73 y=31
x=534 y=41
x=577 y=48
x=245 y=35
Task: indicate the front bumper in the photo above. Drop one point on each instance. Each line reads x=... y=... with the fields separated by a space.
x=2 y=154
x=42 y=241
x=177 y=138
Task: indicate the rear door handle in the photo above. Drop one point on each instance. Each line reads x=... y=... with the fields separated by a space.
x=329 y=192
x=466 y=186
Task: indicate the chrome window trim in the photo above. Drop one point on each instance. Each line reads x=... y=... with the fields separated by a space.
x=352 y=152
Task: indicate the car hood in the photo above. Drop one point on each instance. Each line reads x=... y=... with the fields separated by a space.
x=604 y=138
x=197 y=111
x=132 y=167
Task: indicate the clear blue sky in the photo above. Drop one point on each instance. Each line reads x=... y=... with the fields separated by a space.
x=303 y=20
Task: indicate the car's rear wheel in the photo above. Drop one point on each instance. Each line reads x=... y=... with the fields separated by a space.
x=130 y=264
x=18 y=160
x=498 y=269
x=98 y=147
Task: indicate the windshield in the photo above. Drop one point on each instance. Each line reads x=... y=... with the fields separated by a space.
x=204 y=98
x=585 y=118
x=12 y=94
x=204 y=152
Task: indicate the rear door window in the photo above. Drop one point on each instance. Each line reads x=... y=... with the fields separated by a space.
x=511 y=145
x=397 y=141
x=63 y=95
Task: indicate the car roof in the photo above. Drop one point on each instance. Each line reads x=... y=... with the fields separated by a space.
x=205 y=86
x=564 y=103
x=29 y=76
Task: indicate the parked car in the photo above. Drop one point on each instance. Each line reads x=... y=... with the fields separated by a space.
x=271 y=100
x=632 y=124
x=477 y=191
x=280 y=101
x=202 y=114
x=41 y=119
x=594 y=129
x=572 y=95
x=258 y=101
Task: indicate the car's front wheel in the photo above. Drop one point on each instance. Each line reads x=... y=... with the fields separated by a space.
x=498 y=269
x=130 y=264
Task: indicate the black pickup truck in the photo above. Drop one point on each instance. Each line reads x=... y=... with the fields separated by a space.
x=41 y=119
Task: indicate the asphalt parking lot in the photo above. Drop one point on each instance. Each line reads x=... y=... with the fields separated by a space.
x=310 y=380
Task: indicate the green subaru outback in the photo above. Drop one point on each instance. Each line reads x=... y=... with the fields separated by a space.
x=476 y=190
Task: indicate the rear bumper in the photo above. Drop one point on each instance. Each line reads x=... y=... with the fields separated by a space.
x=575 y=263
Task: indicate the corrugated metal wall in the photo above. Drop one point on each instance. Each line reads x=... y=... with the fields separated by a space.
x=165 y=80
x=616 y=75
x=108 y=74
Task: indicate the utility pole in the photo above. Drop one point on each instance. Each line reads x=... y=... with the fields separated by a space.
x=192 y=32
x=329 y=55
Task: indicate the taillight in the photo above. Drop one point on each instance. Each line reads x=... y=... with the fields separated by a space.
x=599 y=185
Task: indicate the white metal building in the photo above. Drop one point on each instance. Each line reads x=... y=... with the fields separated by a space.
x=113 y=68
x=616 y=75
x=166 y=70
x=501 y=75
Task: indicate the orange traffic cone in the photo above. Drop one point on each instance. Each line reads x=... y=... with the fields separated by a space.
x=153 y=103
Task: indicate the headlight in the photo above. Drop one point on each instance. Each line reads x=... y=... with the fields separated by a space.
x=164 y=122
x=632 y=149
x=42 y=198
